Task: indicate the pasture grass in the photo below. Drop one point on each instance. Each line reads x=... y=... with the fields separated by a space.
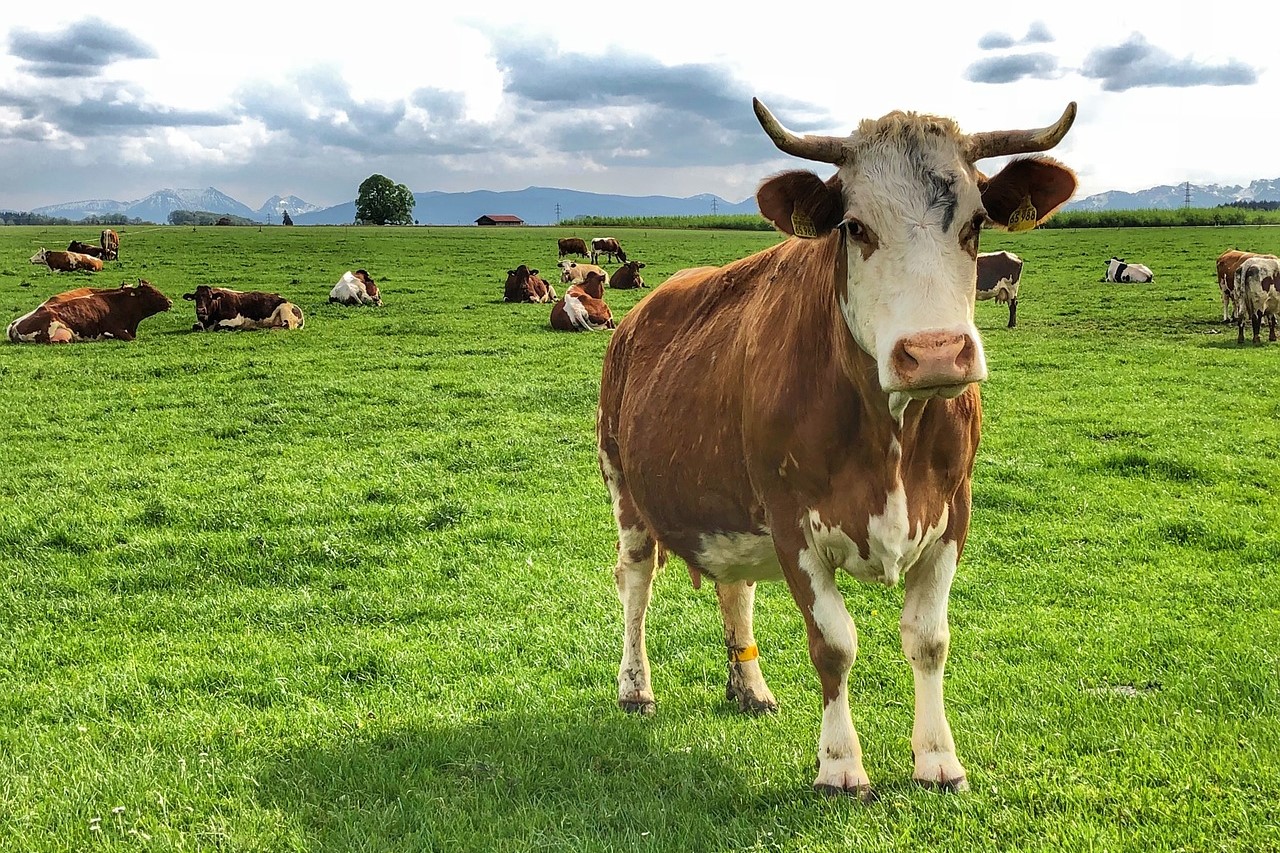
x=349 y=588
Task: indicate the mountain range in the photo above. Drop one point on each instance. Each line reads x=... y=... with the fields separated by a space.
x=546 y=206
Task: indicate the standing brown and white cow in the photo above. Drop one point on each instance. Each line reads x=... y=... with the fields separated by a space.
x=1227 y=264
x=572 y=246
x=1257 y=296
x=813 y=409
x=110 y=241
x=90 y=314
x=608 y=247
x=998 y=276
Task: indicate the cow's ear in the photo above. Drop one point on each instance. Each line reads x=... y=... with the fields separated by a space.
x=533 y=272
x=1026 y=192
x=511 y=272
x=802 y=204
x=189 y=296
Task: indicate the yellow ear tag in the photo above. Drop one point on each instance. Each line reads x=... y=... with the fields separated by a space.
x=1024 y=218
x=802 y=225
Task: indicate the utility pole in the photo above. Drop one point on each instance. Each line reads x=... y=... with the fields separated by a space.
x=713 y=205
x=1187 y=200
x=557 y=213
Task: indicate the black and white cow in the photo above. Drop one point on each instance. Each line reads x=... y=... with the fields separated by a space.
x=1119 y=271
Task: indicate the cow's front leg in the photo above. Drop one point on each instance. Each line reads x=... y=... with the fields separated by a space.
x=925 y=640
x=746 y=684
x=833 y=645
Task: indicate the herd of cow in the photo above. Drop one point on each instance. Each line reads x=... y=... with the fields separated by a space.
x=582 y=308
x=91 y=314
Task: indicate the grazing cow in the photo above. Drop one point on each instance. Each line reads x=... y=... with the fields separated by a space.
x=1120 y=272
x=67 y=261
x=627 y=277
x=525 y=285
x=813 y=408
x=84 y=249
x=223 y=309
x=583 y=309
x=1228 y=262
x=572 y=246
x=90 y=314
x=110 y=242
x=998 y=277
x=355 y=288
x=1257 y=295
x=572 y=272
x=606 y=246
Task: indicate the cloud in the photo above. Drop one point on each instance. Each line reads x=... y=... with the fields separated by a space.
x=81 y=49
x=1037 y=33
x=103 y=110
x=1008 y=69
x=1137 y=63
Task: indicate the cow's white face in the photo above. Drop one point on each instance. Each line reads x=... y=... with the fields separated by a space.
x=912 y=217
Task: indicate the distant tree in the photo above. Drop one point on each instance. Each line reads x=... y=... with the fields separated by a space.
x=286 y=220
x=381 y=202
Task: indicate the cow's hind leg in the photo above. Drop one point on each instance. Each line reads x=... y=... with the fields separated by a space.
x=746 y=684
x=633 y=574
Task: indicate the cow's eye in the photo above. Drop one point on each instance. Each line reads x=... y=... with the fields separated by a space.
x=855 y=229
x=979 y=219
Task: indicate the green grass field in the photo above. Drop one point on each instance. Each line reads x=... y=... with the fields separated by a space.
x=349 y=588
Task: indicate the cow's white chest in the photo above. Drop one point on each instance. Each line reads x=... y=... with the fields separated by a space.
x=892 y=545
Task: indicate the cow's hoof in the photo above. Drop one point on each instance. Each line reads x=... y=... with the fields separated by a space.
x=750 y=703
x=864 y=794
x=945 y=786
x=643 y=707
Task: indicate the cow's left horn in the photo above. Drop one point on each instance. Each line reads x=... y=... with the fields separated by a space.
x=997 y=143
x=821 y=149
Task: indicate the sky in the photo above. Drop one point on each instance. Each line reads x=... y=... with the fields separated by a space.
x=115 y=101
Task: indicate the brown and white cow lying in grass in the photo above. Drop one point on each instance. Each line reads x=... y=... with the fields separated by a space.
x=90 y=314
x=572 y=272
x=85 y=249
x=1257 y=296
x=583 y=308
x=525 y=285
x=223 y=309
x=67 y=261
x=355 y=288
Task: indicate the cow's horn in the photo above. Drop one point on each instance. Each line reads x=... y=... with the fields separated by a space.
x=821 y=149
x=997 y=143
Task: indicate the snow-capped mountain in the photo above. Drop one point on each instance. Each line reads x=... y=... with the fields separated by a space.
x=1167 y=197
x=155 y=207
x=276 y=205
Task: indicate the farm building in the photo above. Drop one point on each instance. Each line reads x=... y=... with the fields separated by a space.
x=499 y=219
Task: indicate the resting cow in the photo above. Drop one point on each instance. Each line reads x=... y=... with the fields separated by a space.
x=1227 y=264
x=627 y=276
x=223 y=309
x=998 y=277
x=572 y=246
x=525 y=285
x=583 y=309
x=355 y=288
x=90 y=314
x=608 y=247
x=1257 y=296
x=572 y=272
x=67 y=261
x=813 y=409
x=84 y=249
x=1121 y=272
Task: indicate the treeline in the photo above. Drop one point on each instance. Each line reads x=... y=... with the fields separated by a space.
x=13 y=217
x=1235 y=214
x=204 y=217
x=1254 y=205
x=736 y=222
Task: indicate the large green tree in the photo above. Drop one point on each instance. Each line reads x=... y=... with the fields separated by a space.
x=381 y=202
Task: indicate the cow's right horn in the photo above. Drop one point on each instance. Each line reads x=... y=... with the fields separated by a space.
x=821 y=149
x=997 y=143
